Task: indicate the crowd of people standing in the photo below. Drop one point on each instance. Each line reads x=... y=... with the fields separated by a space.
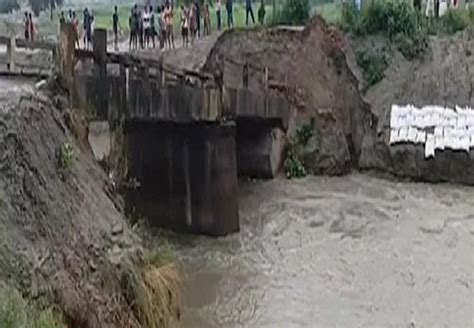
x=151 y=26
x=88 y=26
x=148 y=24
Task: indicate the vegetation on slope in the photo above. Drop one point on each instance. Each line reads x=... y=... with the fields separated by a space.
x=405 y=29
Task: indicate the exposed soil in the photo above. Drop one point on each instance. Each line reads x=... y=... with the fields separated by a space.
x=64 y=236
x=444 y=76
x=309 y=67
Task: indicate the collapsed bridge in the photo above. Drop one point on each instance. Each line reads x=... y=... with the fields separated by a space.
x=187 y=137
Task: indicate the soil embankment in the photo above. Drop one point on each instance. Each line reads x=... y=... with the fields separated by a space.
x=310 y=68
x=64 y=237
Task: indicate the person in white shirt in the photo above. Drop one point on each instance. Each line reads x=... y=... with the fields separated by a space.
x=147 y=26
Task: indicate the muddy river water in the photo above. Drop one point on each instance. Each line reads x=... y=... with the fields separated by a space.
x=353 y=251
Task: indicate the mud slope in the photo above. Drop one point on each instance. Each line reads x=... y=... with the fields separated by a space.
x=62 y=236
x=445 y=76
x=312 y=68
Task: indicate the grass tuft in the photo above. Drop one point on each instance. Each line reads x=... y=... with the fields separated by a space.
x=153 y=290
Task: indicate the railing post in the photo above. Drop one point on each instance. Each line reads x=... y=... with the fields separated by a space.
x=11 y=50
x=100 y=65
x=265 y=81
x=66 y=54
x=246 y=75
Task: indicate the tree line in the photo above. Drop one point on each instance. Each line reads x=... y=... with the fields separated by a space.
x=7 y=6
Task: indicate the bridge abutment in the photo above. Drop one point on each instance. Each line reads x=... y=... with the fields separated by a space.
x=186 y=175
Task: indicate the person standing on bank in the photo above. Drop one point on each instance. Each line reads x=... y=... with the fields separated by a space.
x=26 y=24
x=152 y=26
x=147 y=26
x=207 y=20
x=31 y=28
x=169 y=25
x=218 y=14
x=261 y=13
x=249 y=11
x=197 y=7
x=85 y=23
x=141 y=30
x=230 y=13
x=115 y=27
x=161 y=26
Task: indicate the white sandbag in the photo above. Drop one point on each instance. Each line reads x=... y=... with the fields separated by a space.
x=394 y=136
x=412 y=134
x=438 y=131
x=462 y=120
x=394 y=115
x=421 y=137
x=465 y=143
x=470 y=118
x=439 y=143
x=403 y=134
x=429 y=146
x=471 y=142
x=448 y=141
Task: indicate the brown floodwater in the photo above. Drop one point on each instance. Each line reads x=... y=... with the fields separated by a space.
x=352 y=251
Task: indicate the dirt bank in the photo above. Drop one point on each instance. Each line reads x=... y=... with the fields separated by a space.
x=443 y=76
x=64 y=236
x=308 y=66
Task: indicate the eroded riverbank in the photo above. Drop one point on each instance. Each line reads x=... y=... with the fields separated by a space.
x=353 y=251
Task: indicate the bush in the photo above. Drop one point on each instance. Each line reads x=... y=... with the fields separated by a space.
x=399 y=21
x=373 y=63
x=455 y=20
x=294 y=12
x=413 y=47
x=16 y=312
x=294 y=167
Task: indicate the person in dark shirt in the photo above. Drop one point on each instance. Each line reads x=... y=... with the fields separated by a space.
x=26 y=24
x=85 y=23
x=115 y=26
x=153 y=26
x=261 y=13
x=198 y=18
x=230 y=13
x=131 y=24
x=417 y=5
x=249 y=11
x=62 y=19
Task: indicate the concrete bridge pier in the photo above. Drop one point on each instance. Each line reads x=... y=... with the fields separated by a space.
x=260 y=147
x=186 y=175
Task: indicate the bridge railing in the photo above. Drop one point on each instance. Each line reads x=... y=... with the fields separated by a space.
x=12 y=43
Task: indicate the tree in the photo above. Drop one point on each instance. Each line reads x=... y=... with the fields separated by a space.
x=39 y=5
x=7 y=6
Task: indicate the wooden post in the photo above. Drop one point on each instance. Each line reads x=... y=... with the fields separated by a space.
x=162 y=75
x=66 y=52
x=265 y=81
x=11 y=51
x=100 y=51
x=246 y=75
x=100 y=65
